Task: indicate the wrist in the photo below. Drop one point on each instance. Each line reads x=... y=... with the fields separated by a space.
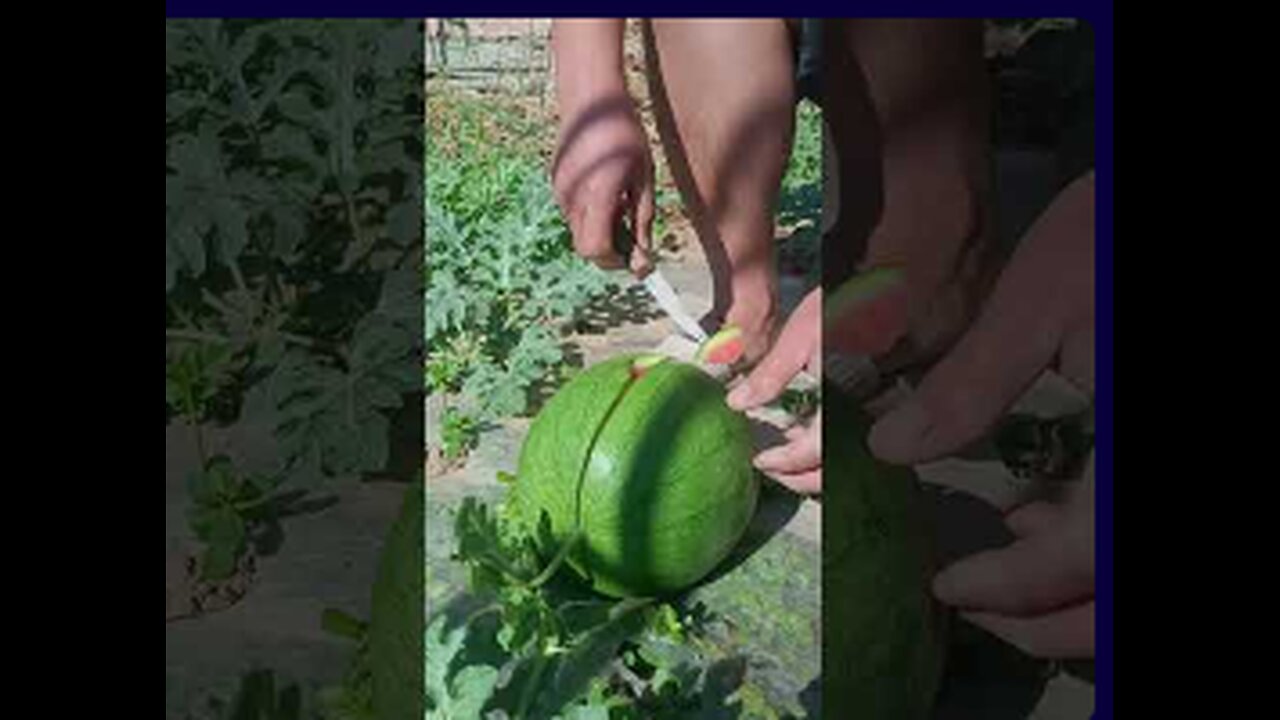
x=588 y=62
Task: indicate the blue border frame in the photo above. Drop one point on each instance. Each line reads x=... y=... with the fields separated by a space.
x=1101 y=15
x=1103 y=23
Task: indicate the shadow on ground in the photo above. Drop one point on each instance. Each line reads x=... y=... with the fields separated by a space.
x=776 y=507
x=629 y=305
x=269 y=537
x=542 y=389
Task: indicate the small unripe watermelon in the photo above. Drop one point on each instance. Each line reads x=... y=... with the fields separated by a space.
x=644 y=463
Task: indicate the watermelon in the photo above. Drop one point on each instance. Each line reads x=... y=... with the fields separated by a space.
x=883 y=633
x=396 y=629
x=645 y=469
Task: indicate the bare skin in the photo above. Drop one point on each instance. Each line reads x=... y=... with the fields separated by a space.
x=908 y=120
x=1038 y=592
x=910 y=138
x=908 y=106
x=726 y=134
x=603 y=170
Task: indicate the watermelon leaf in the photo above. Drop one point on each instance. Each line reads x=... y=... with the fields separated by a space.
x=454 y=696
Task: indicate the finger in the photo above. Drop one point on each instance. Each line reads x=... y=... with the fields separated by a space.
x=805 y=483
x=642 y=214
x=596 y=233
x=965 y=394
x=801 y=454
x=1064 y=635
x=1033 y=575
x=1076 y=359
x=1032 y=519
x=788 y=356
x=1046 y=289
x=971 y=387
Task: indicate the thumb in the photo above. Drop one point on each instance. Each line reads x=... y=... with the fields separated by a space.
x=794 y=348
x=1014 y=339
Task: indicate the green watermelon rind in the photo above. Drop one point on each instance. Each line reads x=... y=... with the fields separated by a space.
x=653 y=473
x=396 y=628
x=883 y=633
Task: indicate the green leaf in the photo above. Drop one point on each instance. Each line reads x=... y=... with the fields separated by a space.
x=331 y=419
x=226 y=528
x=205 y=201
x=593 y=651
x=454 y=696
x=200 y=485
x=218 y=562
x=587 y=712
x=404 y=224
x=471 y=689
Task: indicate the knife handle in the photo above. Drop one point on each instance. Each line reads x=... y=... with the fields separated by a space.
x=624 y=243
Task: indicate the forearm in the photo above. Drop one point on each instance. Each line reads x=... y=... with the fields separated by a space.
x=588 y=60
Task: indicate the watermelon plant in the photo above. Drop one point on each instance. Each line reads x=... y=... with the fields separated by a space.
x=556 y=625
x=544 y=645
x=502 y=283
x=293 y=250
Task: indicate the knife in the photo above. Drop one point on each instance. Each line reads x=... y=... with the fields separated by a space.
x=661 y=291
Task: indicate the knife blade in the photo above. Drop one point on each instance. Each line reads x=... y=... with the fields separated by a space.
x=669 y=301
x=660 y=290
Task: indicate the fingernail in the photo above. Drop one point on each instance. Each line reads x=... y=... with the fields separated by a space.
x=944 y=587
x=768 y=458
x=898 y=436
x=740 y=397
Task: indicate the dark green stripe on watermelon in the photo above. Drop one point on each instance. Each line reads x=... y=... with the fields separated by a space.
x=660 y=465
x=396 y=628
x=883 y=634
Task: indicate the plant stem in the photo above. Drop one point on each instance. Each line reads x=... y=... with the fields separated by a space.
x=216 y=303
x=238 y=276
x=486 y=610
x=535 y=676
x=496 y=563
x=550 y=570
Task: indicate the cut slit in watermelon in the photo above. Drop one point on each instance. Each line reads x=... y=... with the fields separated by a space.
x=642 y=364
